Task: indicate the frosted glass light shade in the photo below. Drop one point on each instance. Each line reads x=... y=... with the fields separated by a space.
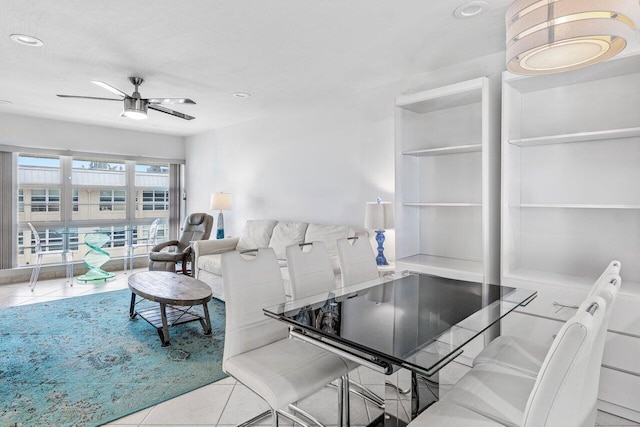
x=552 y=36
x=379 y=216
x=221 y=201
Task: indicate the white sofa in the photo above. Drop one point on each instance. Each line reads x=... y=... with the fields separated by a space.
x=266 y=233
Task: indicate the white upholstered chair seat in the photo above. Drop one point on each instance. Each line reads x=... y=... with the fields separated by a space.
x=515 y=353
x=449 y=414
x=280 y=372
x=494 y=392
x=527 y=356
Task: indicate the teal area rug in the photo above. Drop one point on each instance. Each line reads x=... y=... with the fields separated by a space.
x=82 y=362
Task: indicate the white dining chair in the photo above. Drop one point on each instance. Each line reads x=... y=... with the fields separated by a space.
x=494 y=395
x=258 y=351
x=67 y=258
x=357 y=261
x=311 y=273
x=521 y=353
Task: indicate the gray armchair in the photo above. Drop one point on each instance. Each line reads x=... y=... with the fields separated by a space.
x=197 y=226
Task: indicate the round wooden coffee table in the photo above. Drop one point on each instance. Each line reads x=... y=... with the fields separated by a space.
x=173 y=292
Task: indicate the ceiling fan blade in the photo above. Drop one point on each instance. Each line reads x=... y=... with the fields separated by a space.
x=171 y=112
x=89 y=97
x=170 y=101
x=110 y=88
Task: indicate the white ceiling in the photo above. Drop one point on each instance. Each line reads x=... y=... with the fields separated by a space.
x=284 y=52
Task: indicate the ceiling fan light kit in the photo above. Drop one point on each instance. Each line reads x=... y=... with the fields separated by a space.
x=135 y=107
x=552 y=36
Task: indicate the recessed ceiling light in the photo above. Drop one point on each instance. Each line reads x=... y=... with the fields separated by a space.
x=26 y=40
x=5 y=102
x=471 y=9
x=242 y=95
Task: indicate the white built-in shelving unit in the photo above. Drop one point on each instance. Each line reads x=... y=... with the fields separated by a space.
x=447 y=163
x=571 y=164
x=571 y=204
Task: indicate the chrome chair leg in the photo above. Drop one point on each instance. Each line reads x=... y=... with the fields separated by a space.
x=257 y=418
x=306 y=415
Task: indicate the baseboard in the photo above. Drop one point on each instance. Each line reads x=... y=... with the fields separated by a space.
x=619 y=411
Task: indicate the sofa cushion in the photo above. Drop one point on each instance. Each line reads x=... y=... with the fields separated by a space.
x=256 y=234
x=329 y=234
x=286 y=234
x=211 y=263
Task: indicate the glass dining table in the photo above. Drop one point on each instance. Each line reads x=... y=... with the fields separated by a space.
x=407 y=326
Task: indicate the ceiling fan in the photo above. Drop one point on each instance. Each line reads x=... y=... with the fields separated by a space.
x=135 y=107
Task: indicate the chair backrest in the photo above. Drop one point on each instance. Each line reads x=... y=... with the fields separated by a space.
x=310 y=269
x=357 y=261
x=608 y=291
x=152 y=238
x=197 y=226
x=36 y=238
x=555 y=400
x=612 y=270
x=251 y=284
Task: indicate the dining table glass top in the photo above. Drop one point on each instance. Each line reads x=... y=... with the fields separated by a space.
x=409 y=320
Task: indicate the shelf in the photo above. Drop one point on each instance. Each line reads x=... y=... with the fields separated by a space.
x=574 y=206
x=455 y=95
x=452 y=268
x=444 y=150
x=566 y=280
x=577 y=137
x=455 y=205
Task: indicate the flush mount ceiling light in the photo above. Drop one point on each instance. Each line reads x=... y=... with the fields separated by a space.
x=471 y=9
x=552 y=36
x=242 y=95
x=26 y=40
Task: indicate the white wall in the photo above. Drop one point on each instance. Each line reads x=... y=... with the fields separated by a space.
x=317 y=164
x=32 y=132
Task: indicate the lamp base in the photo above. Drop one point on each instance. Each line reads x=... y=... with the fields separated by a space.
x=380 y=259
x=220 y=227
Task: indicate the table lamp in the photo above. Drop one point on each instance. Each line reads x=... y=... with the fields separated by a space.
x=378 y=216
x=220 y=202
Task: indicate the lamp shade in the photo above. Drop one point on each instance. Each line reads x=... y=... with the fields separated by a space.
x=379 y=216
x=221 y=201
x=552 y=36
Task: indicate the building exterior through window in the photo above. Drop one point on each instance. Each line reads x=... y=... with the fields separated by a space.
x=118 y=198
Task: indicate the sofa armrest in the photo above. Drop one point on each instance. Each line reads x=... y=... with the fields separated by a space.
x=218 y=246
x=208 y=247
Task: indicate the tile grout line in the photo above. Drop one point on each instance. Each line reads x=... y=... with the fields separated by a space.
x=226 y=403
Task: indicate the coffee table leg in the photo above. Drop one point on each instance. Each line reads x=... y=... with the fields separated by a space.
x=164 y=334
x=132 y=308
x=207 y=319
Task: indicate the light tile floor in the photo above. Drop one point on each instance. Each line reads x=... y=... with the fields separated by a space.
x=224 y=403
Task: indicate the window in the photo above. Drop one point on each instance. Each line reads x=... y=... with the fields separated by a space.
x=155 y=200
x=75 y=199
x=101 y=194
x=20 y=200
x=152 y=188
x=45 y=200
x=112 y=200
x=20 y=243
